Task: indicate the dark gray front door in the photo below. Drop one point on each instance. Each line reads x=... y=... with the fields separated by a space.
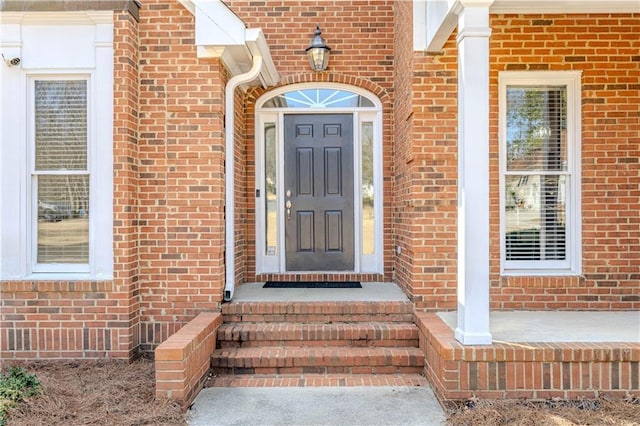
x=318 y=163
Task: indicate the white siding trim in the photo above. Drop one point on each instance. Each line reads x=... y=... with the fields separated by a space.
x=93 y=56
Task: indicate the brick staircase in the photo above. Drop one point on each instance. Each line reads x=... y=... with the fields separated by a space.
x=317 y=344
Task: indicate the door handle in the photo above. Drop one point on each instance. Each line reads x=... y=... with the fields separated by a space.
x=288 y=206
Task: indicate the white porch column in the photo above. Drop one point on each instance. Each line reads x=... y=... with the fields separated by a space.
x=473 y=173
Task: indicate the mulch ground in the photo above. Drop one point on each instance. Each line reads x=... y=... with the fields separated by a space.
x=95 y=393
x=119 y=393
x=596 y=412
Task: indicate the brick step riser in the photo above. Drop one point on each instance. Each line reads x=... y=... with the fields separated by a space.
x=319 y=379
x=321 y=357
x=409 y=343
x=318 y=318
x=383 y=369
x=349 y=334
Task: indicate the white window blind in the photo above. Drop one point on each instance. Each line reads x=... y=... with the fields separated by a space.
x=61 y=176
x=537 y=175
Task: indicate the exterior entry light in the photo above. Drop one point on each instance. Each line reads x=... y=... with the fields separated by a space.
x=318 y=52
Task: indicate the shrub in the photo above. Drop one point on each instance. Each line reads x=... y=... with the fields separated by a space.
x=15 y=385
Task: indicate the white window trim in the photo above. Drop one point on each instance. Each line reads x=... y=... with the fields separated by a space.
x=32 y=189
x=94 y=59
x=373 y=263
x=572 y=80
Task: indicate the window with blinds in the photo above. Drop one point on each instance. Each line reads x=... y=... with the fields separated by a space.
x=60 y=174
x=537 y=175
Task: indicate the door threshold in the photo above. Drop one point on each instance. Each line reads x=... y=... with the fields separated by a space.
x=370 y=292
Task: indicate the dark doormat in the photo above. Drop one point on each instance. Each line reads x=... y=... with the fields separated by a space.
x=312 y=284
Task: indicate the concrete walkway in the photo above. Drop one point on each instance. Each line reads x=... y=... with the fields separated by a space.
x=367 y=406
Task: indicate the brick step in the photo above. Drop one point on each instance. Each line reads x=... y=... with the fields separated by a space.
x=317 y=312
x=317 y=360
x=371 y=334
x=303 y=380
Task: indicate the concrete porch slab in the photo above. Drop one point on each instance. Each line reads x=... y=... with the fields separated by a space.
x=370 y=292
x=560 y=326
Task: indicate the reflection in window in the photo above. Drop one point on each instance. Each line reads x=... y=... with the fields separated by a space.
x=63 y=219
x=270 y=185
x=368 y=228
x=61 y=177
x=318 y=98
x=536 y=179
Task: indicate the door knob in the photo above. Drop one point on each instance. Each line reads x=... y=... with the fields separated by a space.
x=288 y=206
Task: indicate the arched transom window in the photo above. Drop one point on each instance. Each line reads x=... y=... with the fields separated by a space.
x=318 y=98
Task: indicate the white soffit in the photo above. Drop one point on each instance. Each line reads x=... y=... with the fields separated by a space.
x=220 y=33
x=442 y=18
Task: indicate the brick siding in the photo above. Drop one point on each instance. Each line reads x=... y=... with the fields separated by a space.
x=525 y=370
x=605 y=49
x=169 y=169
x=183 y=360
x=181 y=174
x=361 y=38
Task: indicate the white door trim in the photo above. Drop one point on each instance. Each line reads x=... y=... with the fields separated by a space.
x=275 y=262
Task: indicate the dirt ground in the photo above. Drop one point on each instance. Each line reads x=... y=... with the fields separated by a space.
x=117 y=393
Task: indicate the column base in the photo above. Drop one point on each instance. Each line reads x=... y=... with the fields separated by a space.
x=467 y=338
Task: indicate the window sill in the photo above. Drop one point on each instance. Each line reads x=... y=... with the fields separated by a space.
x=540 y=273
x=61 y=276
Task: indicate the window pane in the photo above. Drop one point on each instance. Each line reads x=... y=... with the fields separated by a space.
x=318 y=98
x=61 y=125
x=535 y=227
x=536 y=128
x=270 y=185
x=63 y=219
x=368 y=234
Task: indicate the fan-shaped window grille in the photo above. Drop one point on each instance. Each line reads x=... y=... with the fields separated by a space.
x=318 y=98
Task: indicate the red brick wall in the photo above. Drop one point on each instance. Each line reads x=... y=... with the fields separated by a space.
x=403 y=215
x=361 y=37
x=244 y=200
x=605 y=48
x=181 y=174
x=426 y=171
x=125 y=173
x=169 y=169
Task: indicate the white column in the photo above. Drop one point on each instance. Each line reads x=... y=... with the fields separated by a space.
x=473 y=174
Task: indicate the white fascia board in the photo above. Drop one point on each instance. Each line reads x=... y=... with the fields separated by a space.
x=57 y=18
x=216 y=24
x=420 y=26
x=257 y=44
x=442 y=19
x=220 y=33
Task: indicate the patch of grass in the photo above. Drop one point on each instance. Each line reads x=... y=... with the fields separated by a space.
x=15 y=385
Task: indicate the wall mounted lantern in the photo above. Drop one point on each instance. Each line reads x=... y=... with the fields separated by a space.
x=318 y=52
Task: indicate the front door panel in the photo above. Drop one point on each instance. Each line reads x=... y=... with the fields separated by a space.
x=318 y=162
